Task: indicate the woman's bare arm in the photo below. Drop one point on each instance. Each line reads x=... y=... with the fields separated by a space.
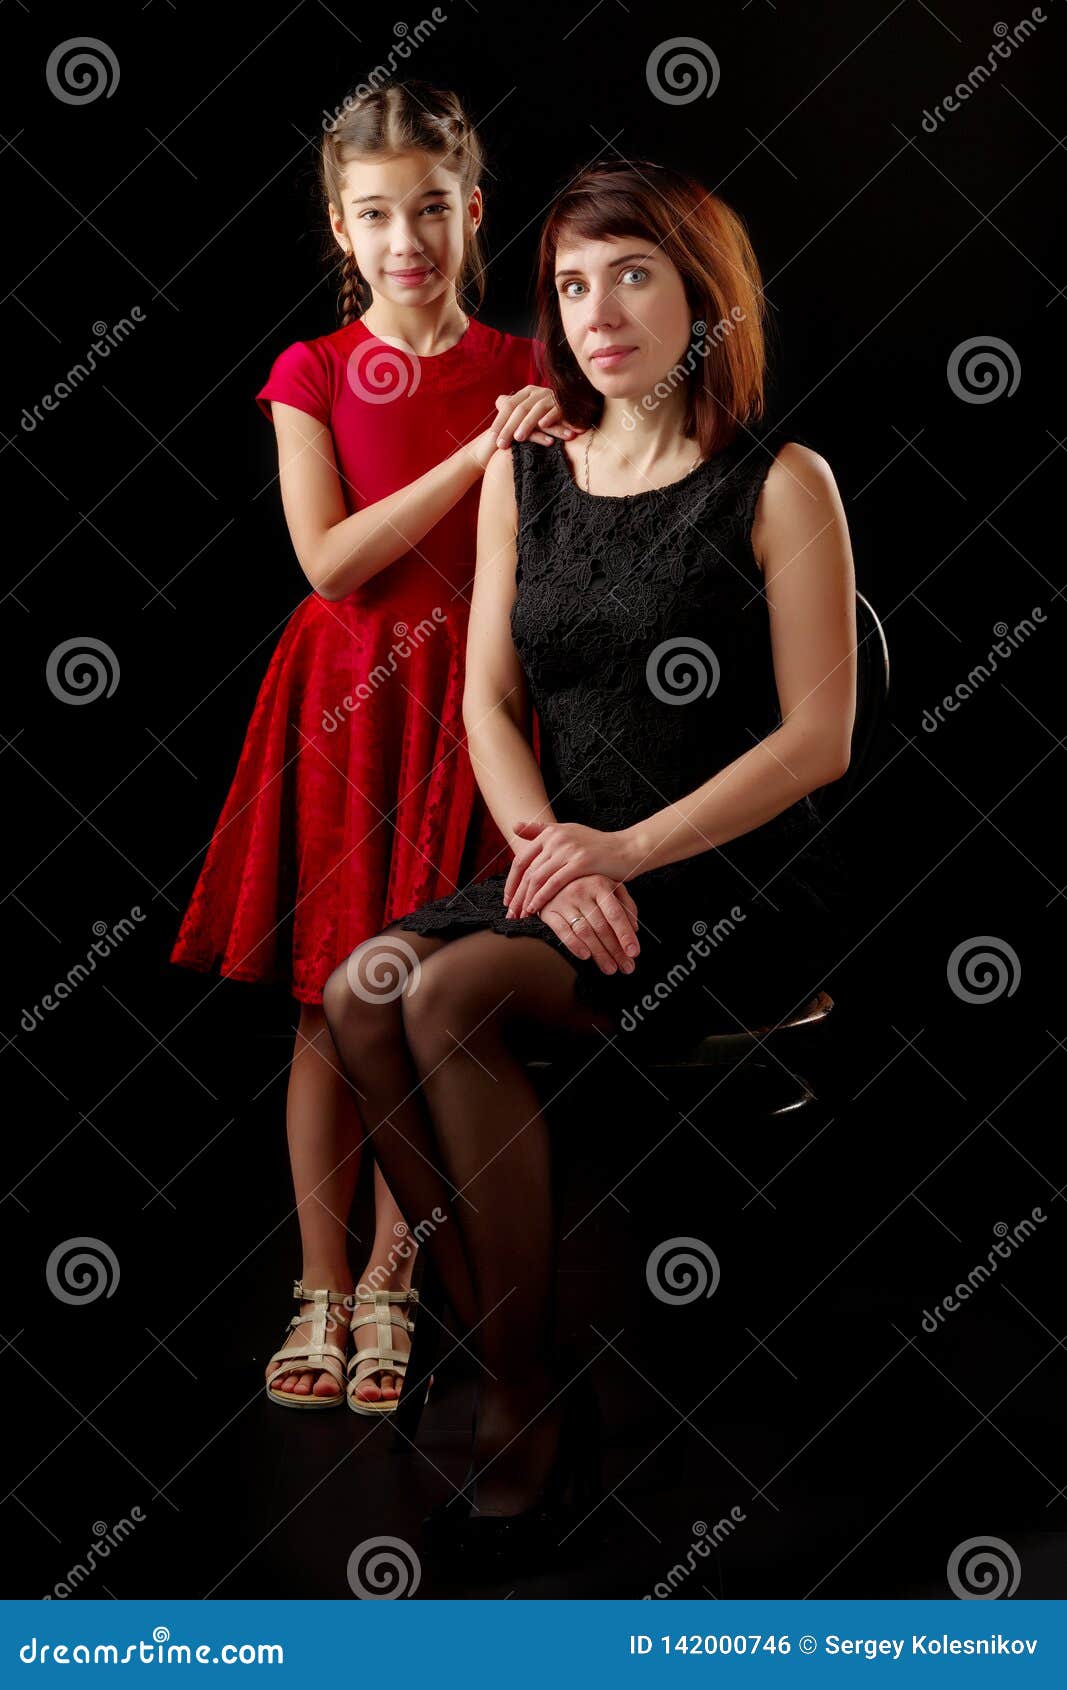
x=496 y=715
x=801 y=536
x=496 y=706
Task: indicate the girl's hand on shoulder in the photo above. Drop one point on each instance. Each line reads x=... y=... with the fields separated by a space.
x=531 y=414
x=595 y=918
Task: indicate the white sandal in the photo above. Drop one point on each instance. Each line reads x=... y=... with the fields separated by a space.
x=379 y=1358
x=314 y=1356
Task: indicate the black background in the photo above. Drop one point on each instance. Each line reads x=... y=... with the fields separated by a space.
x=148 y=1111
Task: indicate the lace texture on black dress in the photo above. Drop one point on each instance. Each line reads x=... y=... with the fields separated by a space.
x=643 y=629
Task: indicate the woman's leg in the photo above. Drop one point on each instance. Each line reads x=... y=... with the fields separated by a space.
x=465 y=1130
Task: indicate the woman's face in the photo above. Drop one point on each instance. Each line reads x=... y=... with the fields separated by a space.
x=624 y=312
x=405 y=219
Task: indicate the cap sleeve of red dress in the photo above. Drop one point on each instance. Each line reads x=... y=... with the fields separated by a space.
x=298 y=377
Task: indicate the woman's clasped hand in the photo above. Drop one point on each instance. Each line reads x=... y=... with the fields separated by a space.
x=573 y=878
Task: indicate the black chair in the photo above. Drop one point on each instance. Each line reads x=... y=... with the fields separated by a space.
x=755 y=1070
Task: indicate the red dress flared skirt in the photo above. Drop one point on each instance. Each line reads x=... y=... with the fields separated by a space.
x=354 y=801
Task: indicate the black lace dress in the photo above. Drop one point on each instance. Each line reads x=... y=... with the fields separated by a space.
x=642 y=626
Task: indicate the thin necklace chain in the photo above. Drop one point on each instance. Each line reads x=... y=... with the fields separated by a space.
x=589 y=442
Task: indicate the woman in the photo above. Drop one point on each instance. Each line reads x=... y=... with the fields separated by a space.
x=673 y=592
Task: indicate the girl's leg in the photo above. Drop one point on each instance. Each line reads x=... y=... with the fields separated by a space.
x=367 y=1026
x=325 y=1133
x=473 y=1139
x=389 y=1268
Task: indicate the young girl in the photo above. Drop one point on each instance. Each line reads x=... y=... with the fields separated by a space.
x=675 y=596
x=354 y=797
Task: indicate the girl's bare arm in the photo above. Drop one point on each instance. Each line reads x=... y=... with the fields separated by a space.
x=338 y=551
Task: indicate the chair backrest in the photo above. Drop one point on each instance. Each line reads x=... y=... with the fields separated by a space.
x=872 y=697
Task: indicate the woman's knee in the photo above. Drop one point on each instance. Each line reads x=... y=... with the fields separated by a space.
x=359 y=1000
x=452 y=1008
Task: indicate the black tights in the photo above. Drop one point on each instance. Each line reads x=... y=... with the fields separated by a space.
x=457 y=1128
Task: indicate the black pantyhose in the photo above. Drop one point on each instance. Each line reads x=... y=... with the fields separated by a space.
x=430 y=1031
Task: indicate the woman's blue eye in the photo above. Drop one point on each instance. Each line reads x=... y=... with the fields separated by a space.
x=634 y=270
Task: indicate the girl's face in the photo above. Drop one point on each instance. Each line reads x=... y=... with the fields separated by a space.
x=624 y=312
x=405 y=219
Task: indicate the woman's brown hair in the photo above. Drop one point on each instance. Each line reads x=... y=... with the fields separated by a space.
x=402 y=117
x=708 y=244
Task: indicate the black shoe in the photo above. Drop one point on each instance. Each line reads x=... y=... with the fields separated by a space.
x=441 y=1526
x=561 y=1520
x=422 y=1359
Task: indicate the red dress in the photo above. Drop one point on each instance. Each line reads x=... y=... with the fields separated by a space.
x=354 y=799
